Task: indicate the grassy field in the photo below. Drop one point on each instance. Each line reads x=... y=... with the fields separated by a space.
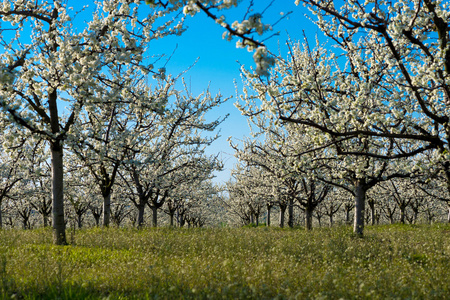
x=390 y=262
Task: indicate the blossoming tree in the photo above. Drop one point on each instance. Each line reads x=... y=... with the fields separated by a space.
x=51 y=71
x=381 y=95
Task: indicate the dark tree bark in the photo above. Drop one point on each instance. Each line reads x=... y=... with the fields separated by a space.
x=59 y=225
x=308 y=217
x=156 y=201
x=448 y=216
x=44 y=208
x=348 y=207
x=106 y=209
x=371 y=203
x=360 y=201
x=119 y=213
x=319 y=216
x=80 y=210
x=269 y=209
x=96 y=213
x=140 y=214
x=283 y=207
x=154 y=216
x=25 y=213
x=291 y=212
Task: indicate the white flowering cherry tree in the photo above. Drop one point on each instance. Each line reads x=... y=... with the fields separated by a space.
x=38 y=188
x=397 y=53
x=197 y=203
x=288 y=155
x=107 y=134
x=192 y=196
x=51 y=71
x=171 y=149
x=355 y=101
x=79 y=190
x=236 y=203
x=436 y=190
x=253 y=185
x=24 y=172
x=11 y=164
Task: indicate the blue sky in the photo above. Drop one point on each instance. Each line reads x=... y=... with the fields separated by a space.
x=217 y=64
x=218 y=60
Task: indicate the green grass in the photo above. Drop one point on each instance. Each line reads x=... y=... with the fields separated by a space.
x=390 y=262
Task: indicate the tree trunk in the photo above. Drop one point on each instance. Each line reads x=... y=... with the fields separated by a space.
x=308 y=218
x=319 y=219
x=282 y=213
x=391 y=219
x=347 y=216
x=97 y=220
x=10 y=222
x=291 y=212
x=79 y=220
x=45 y=218
x=182 y=220
x=1 y=220
x=360 y=201
x=269 y=208
x=59 y=226
x=45 y=209
x=402 y=214
x=447 y=174
x=140 y=215
x=25 y=223
x=155 y=216
x=367 y=217
x=415 y=216
x=372 y=212
x=448 y=216
x=106 y=209
x=430 y=218
x=171 y=214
